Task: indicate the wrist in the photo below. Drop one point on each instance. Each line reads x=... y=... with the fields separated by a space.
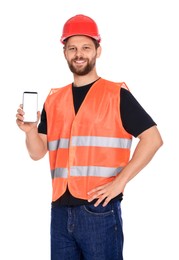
x=32 y=132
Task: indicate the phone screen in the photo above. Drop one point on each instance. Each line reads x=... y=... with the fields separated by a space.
x=30 y=106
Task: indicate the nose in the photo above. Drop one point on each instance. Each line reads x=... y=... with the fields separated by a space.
x=79 y=53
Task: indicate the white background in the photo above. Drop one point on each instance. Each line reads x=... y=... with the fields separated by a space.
x=141 y=47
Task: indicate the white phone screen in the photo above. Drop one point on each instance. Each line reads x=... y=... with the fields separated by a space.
x=30 y=106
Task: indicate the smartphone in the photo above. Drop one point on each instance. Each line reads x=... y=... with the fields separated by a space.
x=30 y=106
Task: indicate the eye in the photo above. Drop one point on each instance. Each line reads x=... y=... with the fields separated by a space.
x=71 y=49
x=86 y=48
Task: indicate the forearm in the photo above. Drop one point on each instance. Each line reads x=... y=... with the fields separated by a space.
x=35 y=144
x=148 y=145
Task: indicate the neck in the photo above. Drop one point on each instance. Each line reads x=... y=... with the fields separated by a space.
x=84 y=80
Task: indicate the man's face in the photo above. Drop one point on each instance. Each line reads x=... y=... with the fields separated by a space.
x=81 y=53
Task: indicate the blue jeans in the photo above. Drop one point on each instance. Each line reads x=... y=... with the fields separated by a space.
x=87 y=232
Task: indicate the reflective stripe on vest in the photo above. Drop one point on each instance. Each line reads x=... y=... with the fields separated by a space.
x=61 y=143
x=90 y=141
x=86 y=170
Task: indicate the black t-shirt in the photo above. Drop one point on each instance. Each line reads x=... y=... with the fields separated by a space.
x=135 y=120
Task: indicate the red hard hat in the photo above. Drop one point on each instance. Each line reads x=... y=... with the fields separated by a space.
x=80 y=25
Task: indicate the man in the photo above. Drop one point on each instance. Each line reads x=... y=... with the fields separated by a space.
x=87 y=128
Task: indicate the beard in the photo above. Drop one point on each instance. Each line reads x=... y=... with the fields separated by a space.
x=83 y=70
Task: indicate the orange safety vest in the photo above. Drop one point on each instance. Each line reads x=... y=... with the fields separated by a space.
x=90 y=148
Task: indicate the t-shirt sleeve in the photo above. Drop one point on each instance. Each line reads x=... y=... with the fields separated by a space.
x=135 y=119
x=42 y=127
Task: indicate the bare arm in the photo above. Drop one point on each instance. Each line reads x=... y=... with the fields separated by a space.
x=149 y=142
x=36 y=143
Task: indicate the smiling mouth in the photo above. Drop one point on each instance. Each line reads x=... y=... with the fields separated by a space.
x=79 y=62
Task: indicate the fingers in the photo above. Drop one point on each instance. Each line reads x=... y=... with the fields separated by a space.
x=105 y=193
x=38 y=115
x=103 y=198
x=101 y=194
x=20 y=116
x=95 y=193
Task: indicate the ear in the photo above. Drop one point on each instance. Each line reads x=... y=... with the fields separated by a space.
x=64 y=53
x=99 y=49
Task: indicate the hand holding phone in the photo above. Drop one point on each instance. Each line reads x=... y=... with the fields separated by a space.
x=30 y=106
